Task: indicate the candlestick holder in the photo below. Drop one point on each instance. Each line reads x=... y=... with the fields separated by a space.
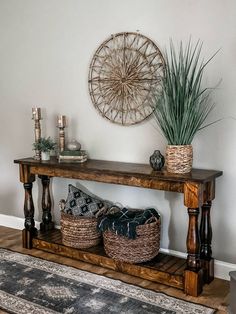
x=36 y=116
x=61 y=124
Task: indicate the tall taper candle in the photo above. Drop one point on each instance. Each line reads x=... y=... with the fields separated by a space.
x=36 y=113
x=61 y=124
x=36 y=116
x=61 y=121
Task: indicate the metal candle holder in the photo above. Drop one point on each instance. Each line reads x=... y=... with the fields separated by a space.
x=61 y=124
x=36 y=116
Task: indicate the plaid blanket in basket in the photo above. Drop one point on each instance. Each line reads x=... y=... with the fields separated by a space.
x=125 y=221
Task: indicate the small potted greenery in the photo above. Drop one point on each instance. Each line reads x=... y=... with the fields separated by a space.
x=184 y=104
x=45 y=146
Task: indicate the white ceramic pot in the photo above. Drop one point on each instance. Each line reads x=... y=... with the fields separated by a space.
x=45 y=155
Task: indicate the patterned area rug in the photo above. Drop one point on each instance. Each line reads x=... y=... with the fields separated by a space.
x=31 y=285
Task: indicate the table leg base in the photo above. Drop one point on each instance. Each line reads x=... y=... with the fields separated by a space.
x=208 y=270
x=193 y=282
x=47 y=226
x=27 y=237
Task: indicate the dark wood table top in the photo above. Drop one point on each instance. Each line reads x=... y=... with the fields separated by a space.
x=123 y=168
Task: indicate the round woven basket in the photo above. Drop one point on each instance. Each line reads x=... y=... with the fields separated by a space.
x=179 y=158
x=79 y=232
x=142 y=249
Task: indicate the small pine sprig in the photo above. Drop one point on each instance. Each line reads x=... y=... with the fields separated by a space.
x=44 y=144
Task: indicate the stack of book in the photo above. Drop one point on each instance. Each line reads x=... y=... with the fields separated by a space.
x=73 y=156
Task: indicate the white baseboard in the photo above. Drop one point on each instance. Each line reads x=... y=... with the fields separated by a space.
x=14 y=222
x=222 y=269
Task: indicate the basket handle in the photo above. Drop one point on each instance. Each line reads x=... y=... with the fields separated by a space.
x=102 y=211
x=151 y=219
x=62 y=204
x=113 y=209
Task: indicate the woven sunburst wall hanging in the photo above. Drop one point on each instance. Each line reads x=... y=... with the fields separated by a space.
x=125 y=75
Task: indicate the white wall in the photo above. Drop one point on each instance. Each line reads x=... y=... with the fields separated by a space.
x=45 y=50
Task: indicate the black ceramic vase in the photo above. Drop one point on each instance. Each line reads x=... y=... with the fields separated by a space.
x=157 y=160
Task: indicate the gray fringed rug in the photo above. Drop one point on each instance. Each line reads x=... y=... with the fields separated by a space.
x=31 y=285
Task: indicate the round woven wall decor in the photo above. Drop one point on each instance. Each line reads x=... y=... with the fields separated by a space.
x=125 y=75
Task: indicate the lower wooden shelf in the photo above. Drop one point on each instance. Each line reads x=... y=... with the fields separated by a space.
x=165 y=269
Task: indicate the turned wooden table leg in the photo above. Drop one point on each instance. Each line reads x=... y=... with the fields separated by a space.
x=193 y=240
x=206 y=237
x=193 y=272
x=30 y=230
x=46 y=223
x=193 y=275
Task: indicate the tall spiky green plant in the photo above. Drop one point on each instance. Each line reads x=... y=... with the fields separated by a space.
x=184 y=103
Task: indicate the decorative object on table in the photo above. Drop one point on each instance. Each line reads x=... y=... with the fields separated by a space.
x=36 y=116
x=157 y=160
x=73 y=156
x=73 y=153
x=45 y=146
x=71 y=290
x=61 y=124
x=179 y=158
x=80 y=214
x=131 y=236
x=73 y=145
x=183 y=105
x=125 y=73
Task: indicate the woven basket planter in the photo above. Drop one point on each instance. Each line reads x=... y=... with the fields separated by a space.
x=179 y=158
x=142 y=249
x=79 y=232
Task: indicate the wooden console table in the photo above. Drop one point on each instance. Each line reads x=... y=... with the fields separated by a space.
x=199 y=191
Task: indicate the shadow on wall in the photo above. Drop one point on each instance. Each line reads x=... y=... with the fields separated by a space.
x=37 y=193
x=87 y=191
x=178 y=222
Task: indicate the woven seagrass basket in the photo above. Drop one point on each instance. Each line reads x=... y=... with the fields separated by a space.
x=142 y=249
x=179 y=158
x=79 y=232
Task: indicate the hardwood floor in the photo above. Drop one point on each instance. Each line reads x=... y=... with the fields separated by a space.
x=215 y=295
